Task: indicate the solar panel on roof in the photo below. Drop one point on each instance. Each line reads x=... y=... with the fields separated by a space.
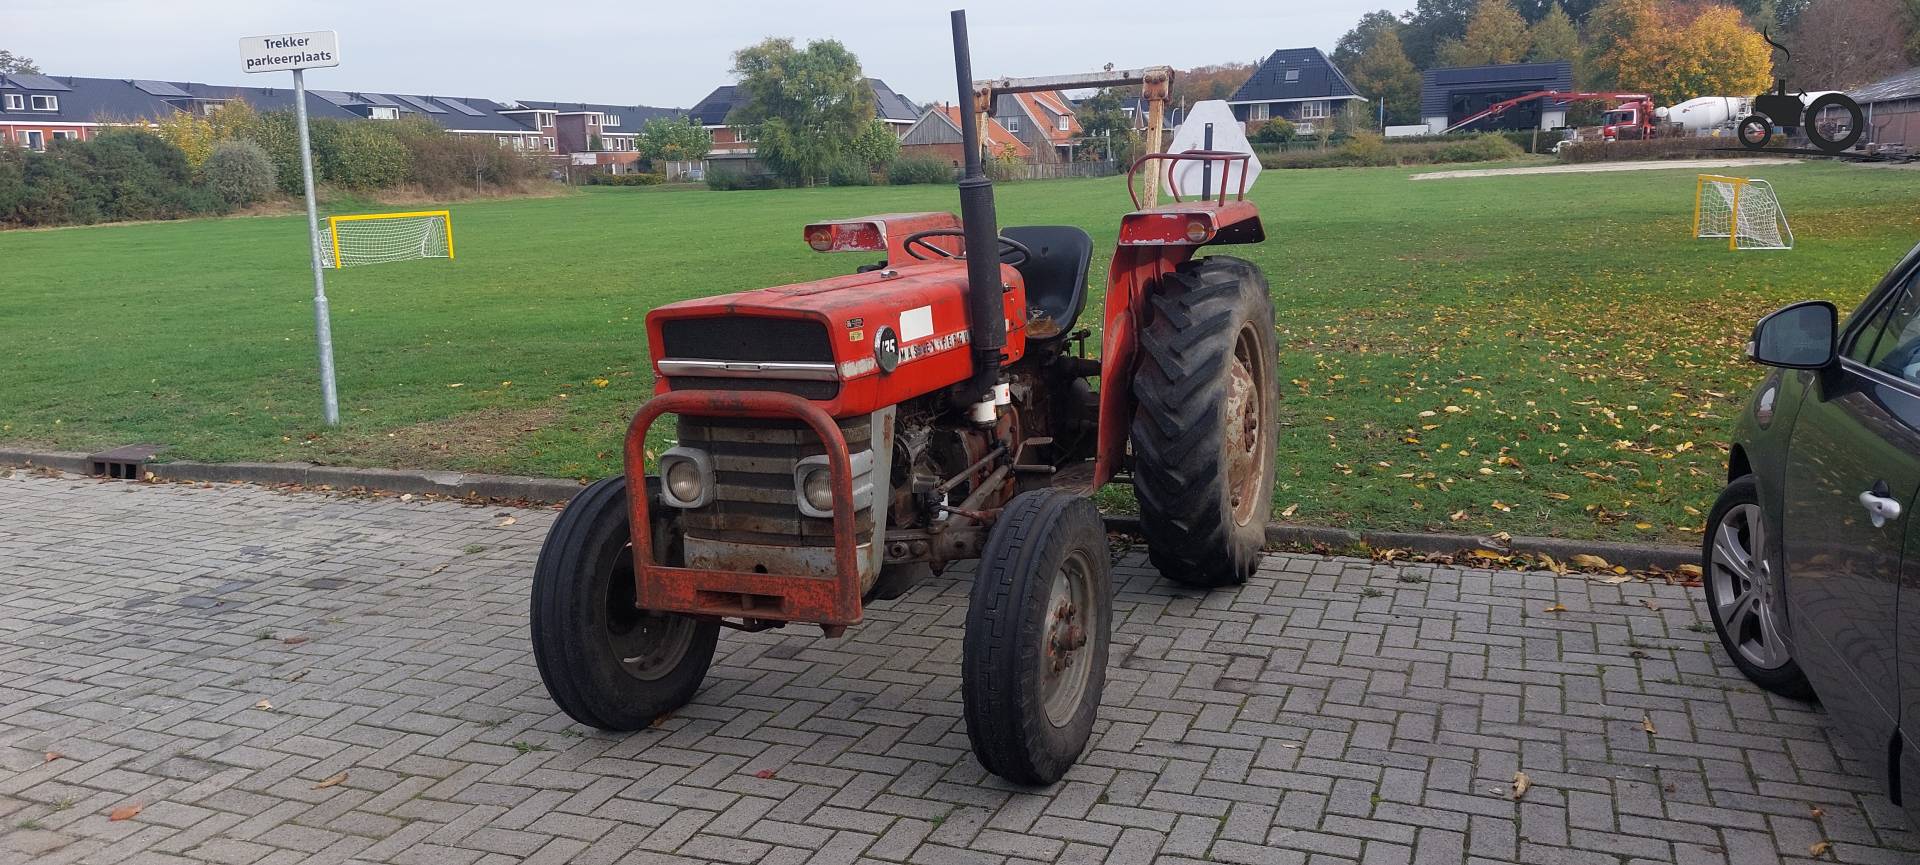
x=37 y=82
x=463 y=107
x=159 y=88
x=377 y=99
x=334 y=96
x=422 y=104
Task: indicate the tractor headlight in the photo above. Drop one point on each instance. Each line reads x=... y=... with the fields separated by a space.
x=816 y=489
x=813 y=483
x=686 y=477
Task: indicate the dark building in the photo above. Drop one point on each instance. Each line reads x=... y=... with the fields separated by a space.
x=1892 y=106
x=1452 y=94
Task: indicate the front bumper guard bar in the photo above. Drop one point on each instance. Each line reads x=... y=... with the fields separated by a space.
x=831 y=601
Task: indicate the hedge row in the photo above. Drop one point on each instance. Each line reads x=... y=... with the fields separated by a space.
x=1655 y=148
x=1368 y=149
x=118 y=175
x=634 y=179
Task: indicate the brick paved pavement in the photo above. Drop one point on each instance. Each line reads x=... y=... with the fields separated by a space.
x=1330 y=711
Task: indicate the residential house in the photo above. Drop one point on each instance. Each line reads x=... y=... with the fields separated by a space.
x=937 y=134
x=731 y=147
x=591 y=133
x=1299 y=85
x=1892 y=107
x=1043 y=120
x=1451 y=94
x=36 y=110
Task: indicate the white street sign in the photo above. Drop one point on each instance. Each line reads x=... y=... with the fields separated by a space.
x=285 y=51
x=1227 y=135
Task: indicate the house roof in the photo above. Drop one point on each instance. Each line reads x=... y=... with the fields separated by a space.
x=998 y=138
x=1317 y=78
x=887 y=105
x=1042 y=109
x=1438 y=86
x=891 y=106
x=82 y=100
x=713 y=110
x=1905 y=85
x=632 y=117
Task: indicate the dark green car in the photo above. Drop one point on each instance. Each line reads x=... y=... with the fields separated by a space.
x=1812 y=565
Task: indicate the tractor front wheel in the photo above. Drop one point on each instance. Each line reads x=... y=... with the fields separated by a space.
x=1034 y=660
x=607 y=663
x=1754 y=132
x=1204 y=422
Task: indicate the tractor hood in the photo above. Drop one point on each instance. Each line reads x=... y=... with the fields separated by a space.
x=855 y=343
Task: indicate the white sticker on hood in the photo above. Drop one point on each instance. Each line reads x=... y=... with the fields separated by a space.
x=916 y=323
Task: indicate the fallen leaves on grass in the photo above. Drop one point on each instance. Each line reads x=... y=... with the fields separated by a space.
x=1290 y=510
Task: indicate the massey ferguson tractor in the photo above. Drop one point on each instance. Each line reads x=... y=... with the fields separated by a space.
x=840 y=441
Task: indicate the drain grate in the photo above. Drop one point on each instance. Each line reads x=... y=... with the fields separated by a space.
x=127 y=463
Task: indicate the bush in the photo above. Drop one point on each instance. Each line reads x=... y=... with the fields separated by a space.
x=358 y=154
x=729 y=179
x=119 y=174
x=1480 y=148
x=634 y=179
x=850 y=173
x=239 y=172
x=920 y=169
x=1276 y=131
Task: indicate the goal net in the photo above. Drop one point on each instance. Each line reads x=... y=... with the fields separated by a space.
x=379 y=238
x=1742 y=210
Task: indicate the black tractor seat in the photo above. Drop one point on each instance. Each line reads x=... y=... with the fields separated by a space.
x=1056 y=276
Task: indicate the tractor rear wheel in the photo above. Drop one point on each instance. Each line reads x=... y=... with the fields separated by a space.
x=1034 y=660
x=1204 y=421
x=607 y=663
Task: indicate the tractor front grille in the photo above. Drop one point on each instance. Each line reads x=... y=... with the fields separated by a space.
x=754 y=498
x=696 y=354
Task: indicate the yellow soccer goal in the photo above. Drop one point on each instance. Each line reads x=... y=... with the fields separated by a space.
x=1743 y=210
x=379 y=238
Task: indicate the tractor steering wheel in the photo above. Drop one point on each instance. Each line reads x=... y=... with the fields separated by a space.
x=917 y=241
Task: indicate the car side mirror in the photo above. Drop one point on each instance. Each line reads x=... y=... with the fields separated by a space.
x=1801 y=336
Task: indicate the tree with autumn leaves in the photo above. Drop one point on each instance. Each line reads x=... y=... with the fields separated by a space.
x=1672 y=49
x=1675 y=51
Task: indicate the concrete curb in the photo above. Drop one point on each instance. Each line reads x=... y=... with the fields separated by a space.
x=1637 y=557
x=459 y=485
x=462 y=485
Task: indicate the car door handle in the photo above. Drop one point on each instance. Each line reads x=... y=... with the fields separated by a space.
x=1880 y=508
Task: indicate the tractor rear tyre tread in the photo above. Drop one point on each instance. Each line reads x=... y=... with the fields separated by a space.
x=1181 y=473
x=1005 y=658
x=586 y=550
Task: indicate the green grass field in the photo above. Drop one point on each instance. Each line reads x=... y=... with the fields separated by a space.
x=1535 y=354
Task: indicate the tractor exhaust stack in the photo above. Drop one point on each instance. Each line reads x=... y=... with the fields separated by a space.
x=986 y=320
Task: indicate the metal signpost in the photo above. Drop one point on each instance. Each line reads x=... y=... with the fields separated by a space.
x=296 y=52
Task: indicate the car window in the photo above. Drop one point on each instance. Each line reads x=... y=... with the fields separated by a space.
x=1890 y=342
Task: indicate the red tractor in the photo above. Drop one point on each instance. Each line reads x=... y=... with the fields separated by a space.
x=840 y=441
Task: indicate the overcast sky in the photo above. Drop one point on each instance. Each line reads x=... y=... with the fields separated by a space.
x=647 y=51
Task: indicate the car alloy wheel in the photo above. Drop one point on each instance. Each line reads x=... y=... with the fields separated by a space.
x=1743 y=580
